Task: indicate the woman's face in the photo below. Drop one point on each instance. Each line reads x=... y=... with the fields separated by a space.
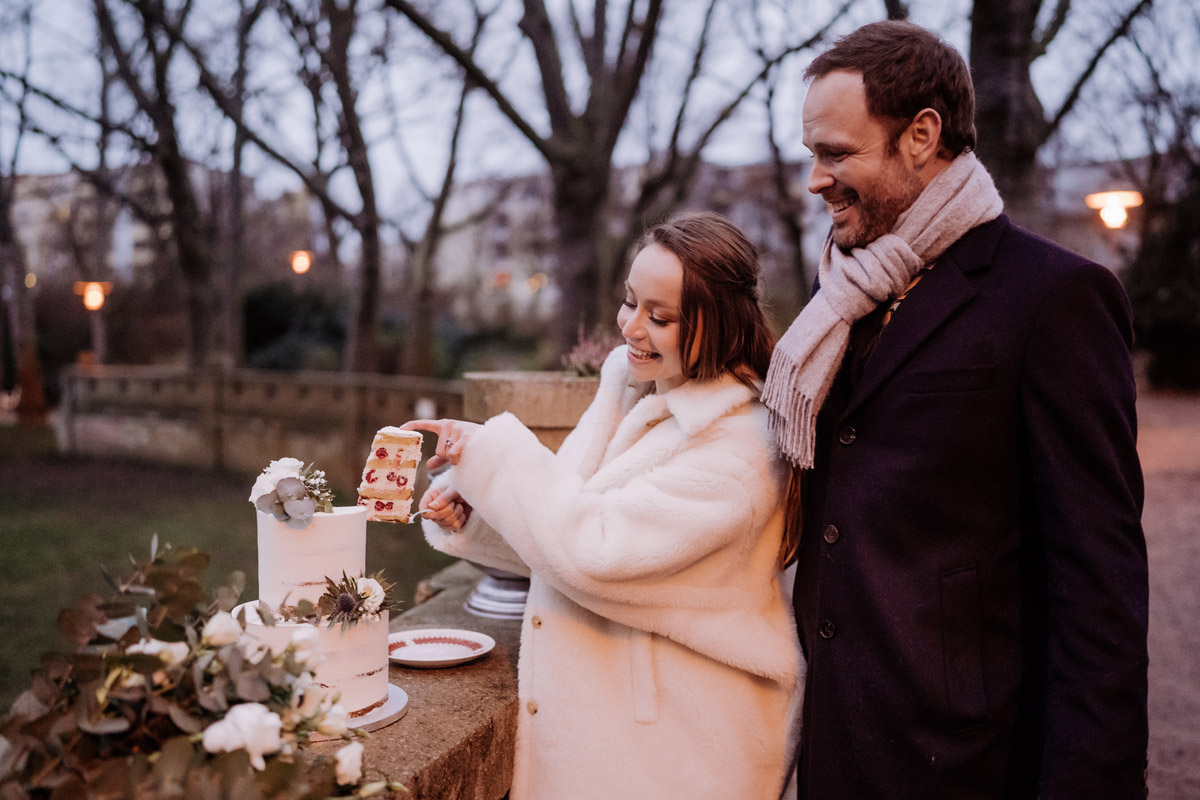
x=650 y=318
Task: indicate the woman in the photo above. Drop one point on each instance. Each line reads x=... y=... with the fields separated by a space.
x=658 y=656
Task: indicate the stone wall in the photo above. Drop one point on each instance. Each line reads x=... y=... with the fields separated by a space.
x=241 y=419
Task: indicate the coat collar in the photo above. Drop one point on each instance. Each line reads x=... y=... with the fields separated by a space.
x=695 y=404
x=942 y=292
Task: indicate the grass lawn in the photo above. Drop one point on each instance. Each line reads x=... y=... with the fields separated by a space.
x=61 y=518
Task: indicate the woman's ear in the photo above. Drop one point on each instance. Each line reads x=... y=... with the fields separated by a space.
x=922 y=138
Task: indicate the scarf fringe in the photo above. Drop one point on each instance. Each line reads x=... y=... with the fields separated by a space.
x=792 y=416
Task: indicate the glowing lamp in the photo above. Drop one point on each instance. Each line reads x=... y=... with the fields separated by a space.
x=301 y=260
x=93 y=293
x=1112 y=206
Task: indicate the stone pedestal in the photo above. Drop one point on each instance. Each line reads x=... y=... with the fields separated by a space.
x=549 y=404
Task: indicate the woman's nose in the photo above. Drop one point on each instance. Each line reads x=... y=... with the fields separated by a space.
x=631 y=326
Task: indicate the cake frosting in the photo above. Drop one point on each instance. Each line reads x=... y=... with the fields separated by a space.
x=293 y=563
x=297 y=557
x=355 y=662
x=386 y=490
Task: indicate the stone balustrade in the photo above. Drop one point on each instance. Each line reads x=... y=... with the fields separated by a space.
x=241 y=419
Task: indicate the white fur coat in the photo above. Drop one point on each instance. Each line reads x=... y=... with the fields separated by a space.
x=658 y=656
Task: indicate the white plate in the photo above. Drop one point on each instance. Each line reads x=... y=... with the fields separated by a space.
x=437 y=647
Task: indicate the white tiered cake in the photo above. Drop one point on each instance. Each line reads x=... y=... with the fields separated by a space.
x=294 y=560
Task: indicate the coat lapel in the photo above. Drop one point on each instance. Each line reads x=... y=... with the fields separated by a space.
x=941 y=293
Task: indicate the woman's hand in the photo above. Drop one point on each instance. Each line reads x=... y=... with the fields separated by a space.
x=453 y=435
x=446 y=508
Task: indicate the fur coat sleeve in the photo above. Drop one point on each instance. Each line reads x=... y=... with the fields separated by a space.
x=662 y=513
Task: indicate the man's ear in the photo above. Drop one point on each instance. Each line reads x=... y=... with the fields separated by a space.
x=923 y=137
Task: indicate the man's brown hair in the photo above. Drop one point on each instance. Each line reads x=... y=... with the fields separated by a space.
x=721 y=321
x=905 y=69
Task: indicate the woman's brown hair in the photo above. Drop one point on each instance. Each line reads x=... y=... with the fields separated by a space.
x=721 y=320
x=722 y=323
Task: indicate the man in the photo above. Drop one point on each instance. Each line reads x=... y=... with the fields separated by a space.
x=971 y=588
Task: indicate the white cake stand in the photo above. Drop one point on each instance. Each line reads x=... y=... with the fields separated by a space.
x=392 y=710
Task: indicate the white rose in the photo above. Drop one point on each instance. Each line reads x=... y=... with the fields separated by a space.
x=349 y=764
x=170 y=653
x=247 y=726
x=253 y=650
x=306 y=646
x=312 y=698
x=221 y=629
x=275 y=472
x=372 y=594
x=335 y=722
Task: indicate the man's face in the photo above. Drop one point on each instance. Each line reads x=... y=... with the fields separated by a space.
x=866 y=183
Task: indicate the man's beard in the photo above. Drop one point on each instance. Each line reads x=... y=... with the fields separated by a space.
x=890 y=195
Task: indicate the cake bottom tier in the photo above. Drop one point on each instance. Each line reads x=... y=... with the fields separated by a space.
x=356 y=657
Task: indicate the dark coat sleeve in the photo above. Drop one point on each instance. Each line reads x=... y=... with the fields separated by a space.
x=1077 y=401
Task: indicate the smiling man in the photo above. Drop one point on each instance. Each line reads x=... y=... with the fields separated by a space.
x=958 y=403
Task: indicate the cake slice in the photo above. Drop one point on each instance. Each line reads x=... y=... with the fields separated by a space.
x=390 y=472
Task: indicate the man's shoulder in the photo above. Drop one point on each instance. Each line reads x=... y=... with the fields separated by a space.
x=1018 y=253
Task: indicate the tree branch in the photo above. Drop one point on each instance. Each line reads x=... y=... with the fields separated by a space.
x=1119 y=32
x=1042 y=39
x=481 y=79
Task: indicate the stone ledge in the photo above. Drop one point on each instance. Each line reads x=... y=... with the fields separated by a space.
x=456 y=741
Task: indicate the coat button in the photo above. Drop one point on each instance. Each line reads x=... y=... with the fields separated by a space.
x=532 y=706
x=535 y=621
x=832 y=534
x=847 y=435
x=827 y=630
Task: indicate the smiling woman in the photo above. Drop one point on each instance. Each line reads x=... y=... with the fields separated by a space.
x=650 y=319
x=670 y=485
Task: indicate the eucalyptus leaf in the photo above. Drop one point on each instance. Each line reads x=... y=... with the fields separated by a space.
x=266 y=503
x=174 y=759
x=142 y=664
x=252 y=688
x=236 y=581
x=193 y=563
x=226 y=598
x=109 y=579
x=183 y=720
x=104 y=726
x=265 y=615
x=290 y=489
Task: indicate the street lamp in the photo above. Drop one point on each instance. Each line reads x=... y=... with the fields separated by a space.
x=300 y=260
x=1112 y=205
x=93 y=293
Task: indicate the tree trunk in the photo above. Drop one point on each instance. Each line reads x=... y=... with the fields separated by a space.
x=1009 y=117
x=580 y=196
x=32 y=406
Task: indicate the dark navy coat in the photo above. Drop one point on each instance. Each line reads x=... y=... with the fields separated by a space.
x=971 y=591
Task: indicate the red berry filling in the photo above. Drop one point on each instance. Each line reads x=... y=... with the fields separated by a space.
x=381 y=452
x=370 y=476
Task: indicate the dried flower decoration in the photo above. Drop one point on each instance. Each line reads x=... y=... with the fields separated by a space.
x=347 y=601
x=292 y=492
x=588 y=355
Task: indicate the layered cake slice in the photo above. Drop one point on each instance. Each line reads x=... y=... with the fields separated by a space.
x=390 y=472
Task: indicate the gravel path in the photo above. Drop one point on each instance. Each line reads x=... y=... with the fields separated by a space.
x=1169 y=442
